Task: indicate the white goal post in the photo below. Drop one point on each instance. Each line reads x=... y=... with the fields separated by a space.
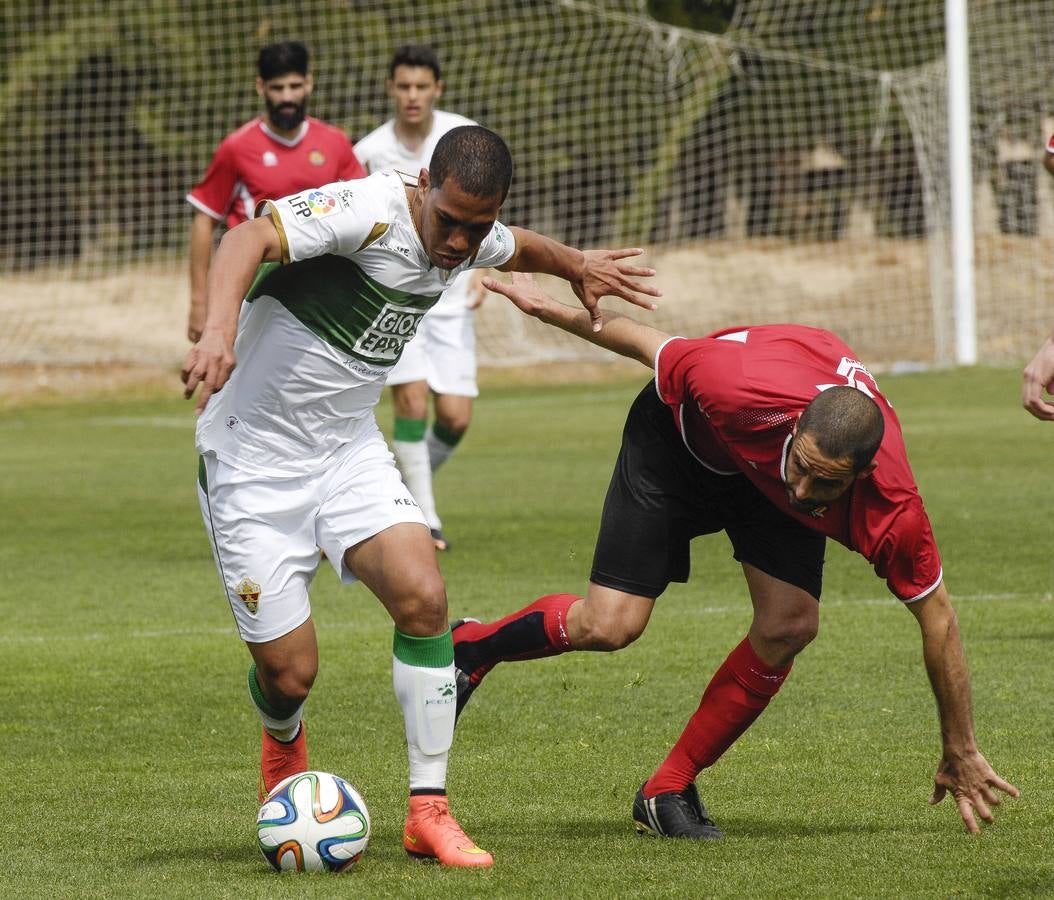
x=960 y=179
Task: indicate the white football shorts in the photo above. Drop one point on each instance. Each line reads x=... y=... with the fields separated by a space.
x=443 y=353
x=266 y=531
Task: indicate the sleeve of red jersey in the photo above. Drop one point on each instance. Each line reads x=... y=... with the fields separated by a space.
x=907 y=557
x=672 y=364
x=350 y=166
x=1050 y=144
x=213 y=194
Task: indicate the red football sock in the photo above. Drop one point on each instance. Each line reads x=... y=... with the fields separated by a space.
x=537 y=630
x=737 y=694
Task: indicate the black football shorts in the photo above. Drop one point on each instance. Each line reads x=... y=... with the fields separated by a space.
x=660 y=498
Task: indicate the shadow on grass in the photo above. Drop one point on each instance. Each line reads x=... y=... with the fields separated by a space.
x=734 y=827
x=244 y=853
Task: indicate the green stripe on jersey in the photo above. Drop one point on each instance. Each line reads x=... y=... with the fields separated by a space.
x=262 y=271
x=338 y=302
x=427 y=652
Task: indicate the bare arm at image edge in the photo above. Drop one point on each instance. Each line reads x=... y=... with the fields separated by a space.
x=202 y=231
x=963 y=771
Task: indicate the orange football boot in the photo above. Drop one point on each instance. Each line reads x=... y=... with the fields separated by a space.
x=279 y=760
x=432 y=833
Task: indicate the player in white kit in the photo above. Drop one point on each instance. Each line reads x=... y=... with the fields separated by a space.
x=291 y=455
x=441 y=359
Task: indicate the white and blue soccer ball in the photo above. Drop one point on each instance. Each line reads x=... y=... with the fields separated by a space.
x=313 y=822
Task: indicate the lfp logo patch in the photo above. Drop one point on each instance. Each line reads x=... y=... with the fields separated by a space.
x=320 y=203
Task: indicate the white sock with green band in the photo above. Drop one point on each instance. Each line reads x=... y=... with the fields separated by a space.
x=441 y=443
x=423 y=675
x=411 y=453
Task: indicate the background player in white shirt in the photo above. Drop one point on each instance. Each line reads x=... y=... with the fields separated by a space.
x=442 y=357
x=291 y=455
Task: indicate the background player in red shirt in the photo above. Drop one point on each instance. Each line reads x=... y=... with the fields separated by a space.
x=778 y=436
x=269 y=157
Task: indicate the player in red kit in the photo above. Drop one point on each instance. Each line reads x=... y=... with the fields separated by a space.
x=271 y=156
x=778 y=436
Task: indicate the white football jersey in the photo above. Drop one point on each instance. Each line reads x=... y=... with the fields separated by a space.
x=318 y=335
x=381 y=149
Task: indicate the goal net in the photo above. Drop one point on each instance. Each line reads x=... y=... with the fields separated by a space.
x=793 y=167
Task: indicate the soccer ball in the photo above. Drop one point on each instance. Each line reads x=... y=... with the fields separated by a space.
x=313 y=822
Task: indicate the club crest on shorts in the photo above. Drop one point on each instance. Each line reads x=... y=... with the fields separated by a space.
x=249 y=591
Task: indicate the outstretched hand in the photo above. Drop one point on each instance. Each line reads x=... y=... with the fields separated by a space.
x=524 y=292
x=1039 y=376
x=209 y=363
x=973 y=784
x=604 y=275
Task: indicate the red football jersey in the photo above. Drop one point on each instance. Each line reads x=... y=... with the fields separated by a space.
x=254 y=164
x=736 y=395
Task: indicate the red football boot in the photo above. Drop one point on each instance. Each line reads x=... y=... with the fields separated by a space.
x=279 y=760
x=432 y=833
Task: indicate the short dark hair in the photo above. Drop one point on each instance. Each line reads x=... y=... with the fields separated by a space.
x=845 y=423
x=476 y=158
x=280 y=59
x=415 y=55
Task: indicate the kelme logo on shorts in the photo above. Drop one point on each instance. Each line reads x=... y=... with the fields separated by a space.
x=384 y=338
x=249 y=591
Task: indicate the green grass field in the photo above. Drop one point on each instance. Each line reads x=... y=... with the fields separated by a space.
x=130 y=747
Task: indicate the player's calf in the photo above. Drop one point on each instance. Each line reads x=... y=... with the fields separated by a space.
x=536 y=631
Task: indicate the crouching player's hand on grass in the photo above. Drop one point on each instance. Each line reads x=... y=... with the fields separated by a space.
x=974 y=784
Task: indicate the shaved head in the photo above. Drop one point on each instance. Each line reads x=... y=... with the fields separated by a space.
x=845 y=423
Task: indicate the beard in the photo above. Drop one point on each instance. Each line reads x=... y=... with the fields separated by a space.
x=286 y=116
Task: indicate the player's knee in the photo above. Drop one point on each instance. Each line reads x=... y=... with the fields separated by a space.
x=792 y=633
x=409 y=404
x=799 y=637
x=422 y=608
x=288 y=684
x=455 y=423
